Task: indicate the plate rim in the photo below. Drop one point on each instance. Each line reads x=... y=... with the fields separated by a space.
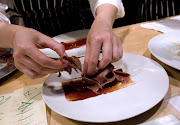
x=158 y=57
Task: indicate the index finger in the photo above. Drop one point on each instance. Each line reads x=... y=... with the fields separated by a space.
x=52 y=44
x=39 y=57
x=106 y=54
x=94 y=53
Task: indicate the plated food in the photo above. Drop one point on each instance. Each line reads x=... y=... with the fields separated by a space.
x=102 y=82
x=78 y=89
x=151 y=85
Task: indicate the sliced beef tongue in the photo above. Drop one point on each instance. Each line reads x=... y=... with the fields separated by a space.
x=120 y=72
x=121 y=76
x=101 y=78
x=105 y=76
x=74 y=63
x=92 y=84
x=101 y=75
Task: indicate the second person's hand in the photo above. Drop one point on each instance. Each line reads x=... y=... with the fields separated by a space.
x=29 y=59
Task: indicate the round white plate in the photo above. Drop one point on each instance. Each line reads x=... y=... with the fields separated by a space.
x=151 y=86
x=70 y=36
x=166 y=48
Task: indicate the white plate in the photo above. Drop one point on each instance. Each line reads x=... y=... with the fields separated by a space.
x=166 y=48
x=151 y=86
x=70 y=36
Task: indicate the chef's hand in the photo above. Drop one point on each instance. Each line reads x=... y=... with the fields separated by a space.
x=101 y=37
x=29 y=59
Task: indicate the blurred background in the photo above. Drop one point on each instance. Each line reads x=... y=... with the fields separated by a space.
x=76 y=14
x=138 y=11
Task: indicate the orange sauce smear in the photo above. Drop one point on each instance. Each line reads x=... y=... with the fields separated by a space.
x=74 y=44
x=84 y=93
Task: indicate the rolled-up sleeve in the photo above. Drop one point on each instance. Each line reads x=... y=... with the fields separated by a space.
x=118 y=3
x=3 y=17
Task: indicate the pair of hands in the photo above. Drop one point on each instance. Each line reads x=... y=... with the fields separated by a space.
x=31 y=61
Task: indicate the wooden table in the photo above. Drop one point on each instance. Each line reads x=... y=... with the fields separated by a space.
x=135 y=40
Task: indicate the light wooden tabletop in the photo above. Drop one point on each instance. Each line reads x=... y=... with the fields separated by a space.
x=135 y=40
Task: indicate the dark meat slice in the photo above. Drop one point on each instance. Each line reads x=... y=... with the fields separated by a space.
x=68 y=69
x=101 y=78
x=92 y=84
x=109 y=80
x=95 y=88
x=74 y=62
x=125 y=80
x=105 y=76
x=119 y=78
x=101 y=75
x=120 y=72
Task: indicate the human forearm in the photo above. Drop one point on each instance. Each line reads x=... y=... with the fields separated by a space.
x=101 y=37
x=106 y=13
x=7 y=32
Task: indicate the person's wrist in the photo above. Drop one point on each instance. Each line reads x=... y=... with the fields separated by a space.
x=15 y=29
x=7 y=34
x=106 y=13
x=100 y=19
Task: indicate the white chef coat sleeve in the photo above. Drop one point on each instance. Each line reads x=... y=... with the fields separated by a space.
x=3 y=16
x=118 y=3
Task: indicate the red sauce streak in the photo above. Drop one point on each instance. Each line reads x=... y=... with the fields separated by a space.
x=75 y=90
x=74 y=44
